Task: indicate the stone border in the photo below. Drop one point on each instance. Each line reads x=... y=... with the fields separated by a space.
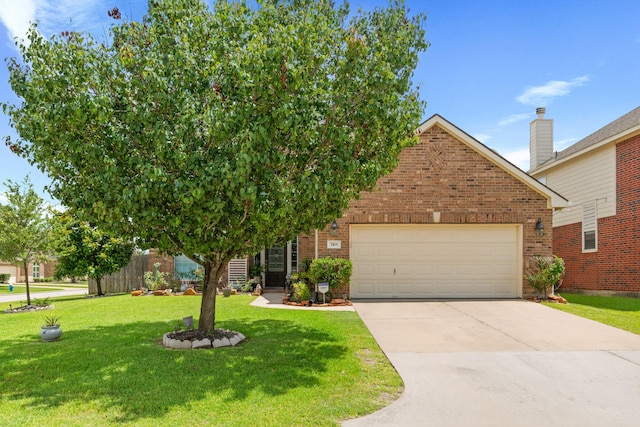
x=29 y=308
x=203 y=343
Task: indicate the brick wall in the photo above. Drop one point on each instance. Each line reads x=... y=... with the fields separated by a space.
x=442 y=174
x=615 y=267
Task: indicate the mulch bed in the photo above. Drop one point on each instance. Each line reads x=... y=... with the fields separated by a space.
x=195 y=334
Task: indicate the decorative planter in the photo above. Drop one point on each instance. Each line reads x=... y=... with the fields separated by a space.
x=226 y=292
x=50 y=333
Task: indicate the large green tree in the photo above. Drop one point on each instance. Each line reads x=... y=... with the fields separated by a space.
x=25 y=228
x=85 y=250
x=215 y=132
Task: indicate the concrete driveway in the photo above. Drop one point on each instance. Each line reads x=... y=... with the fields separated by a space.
x=503 y=363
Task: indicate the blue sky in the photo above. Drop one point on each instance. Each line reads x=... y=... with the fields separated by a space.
x=490 y=64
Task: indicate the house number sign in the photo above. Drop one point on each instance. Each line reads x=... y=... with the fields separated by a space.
x=334 y=244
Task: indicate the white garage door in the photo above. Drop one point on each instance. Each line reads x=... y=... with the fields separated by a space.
x=436 y=261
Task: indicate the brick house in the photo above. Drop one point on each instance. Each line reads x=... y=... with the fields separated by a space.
x=453 y=220
x=599 y=235
x=36 y=271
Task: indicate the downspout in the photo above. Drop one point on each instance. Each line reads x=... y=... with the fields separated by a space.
x=316 y=254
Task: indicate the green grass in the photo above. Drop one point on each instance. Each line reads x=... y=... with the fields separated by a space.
x=296 y=367
x=621 y=312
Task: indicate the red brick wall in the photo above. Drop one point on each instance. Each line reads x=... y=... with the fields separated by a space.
x=615 y=267
x=442 y=174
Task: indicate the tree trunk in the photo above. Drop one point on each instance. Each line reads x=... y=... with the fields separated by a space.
x=26 y=281
x=98 y=285
x=212 y=272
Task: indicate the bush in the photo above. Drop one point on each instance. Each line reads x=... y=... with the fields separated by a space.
x=301 y=292
x=41 y=302
x=247 y=287
x=155 y=279
x=545 y=274
x=4 y=277
x=335 y=271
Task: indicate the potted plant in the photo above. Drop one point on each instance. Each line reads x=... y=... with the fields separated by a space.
x=51 y=331
x=226 y=291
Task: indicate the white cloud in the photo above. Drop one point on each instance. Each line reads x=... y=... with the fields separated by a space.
x=513 y=118
x=16 y=16
x=482 y=137
x=53 y=16
x=542 y=95
x=519 y=158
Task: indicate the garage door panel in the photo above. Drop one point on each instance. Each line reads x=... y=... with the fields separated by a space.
x=443 y=261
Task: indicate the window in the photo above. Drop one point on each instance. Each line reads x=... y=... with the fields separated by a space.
x=589 y=227
x=36 y=271
x=184 y=268
x=294 y=254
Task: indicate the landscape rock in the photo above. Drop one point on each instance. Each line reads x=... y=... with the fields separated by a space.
x=203 y=343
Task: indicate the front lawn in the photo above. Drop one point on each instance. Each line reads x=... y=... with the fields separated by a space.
x=621 y=312
x=295 y=368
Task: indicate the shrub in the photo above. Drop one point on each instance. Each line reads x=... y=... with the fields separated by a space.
x=545 y=274
x=247 y=287
x=155 y=279
x=41 y=302
x=4 y=277
x=301 y=292
x=335 y=271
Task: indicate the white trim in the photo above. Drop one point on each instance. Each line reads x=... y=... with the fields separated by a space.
x=316 y=253
x=288 y=265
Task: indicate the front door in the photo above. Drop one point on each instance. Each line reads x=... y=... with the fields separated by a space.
x=275 y=259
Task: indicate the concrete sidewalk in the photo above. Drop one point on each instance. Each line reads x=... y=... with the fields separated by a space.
x=40 y=295
x=503 y=363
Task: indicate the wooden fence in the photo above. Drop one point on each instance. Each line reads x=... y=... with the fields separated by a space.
x=129 y=278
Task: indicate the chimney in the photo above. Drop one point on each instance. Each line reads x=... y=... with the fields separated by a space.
x=541 y=139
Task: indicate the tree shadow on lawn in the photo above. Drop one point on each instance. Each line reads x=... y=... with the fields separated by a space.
x=125 y=367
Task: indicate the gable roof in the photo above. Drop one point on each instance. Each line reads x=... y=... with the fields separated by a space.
x=554 y=200
x=619 y=129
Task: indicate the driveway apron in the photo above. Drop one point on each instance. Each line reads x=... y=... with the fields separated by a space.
x=503 y=363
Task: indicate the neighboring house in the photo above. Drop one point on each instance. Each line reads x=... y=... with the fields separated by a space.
x=599 y=235
x=16 y=273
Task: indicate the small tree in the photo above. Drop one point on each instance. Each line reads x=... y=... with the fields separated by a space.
x=84 y=250
x=25 y=228
x=545 y=273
